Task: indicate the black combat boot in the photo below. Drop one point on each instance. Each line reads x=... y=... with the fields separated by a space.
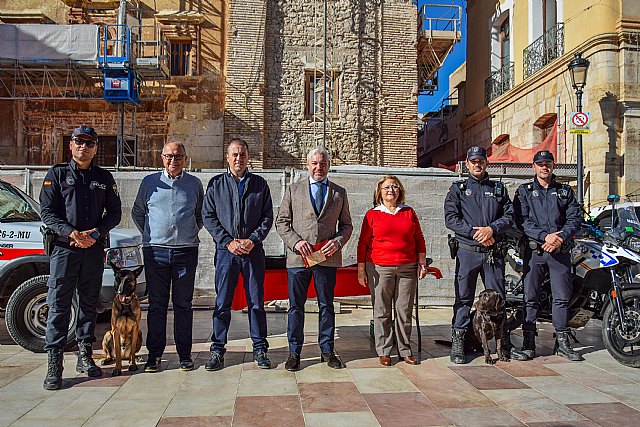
x=563 y=346
x=529 y=343
x=510 y=350
x=53 y=380
x=85 y=361
x=457 y=346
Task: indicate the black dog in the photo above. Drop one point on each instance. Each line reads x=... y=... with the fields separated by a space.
x=125 y=337
x=488 y=322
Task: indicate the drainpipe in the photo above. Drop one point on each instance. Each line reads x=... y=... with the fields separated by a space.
x=120 y=28
x=558 y=145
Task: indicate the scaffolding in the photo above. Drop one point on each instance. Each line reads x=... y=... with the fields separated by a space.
x=40 y=77
x=439 y=29
x=123 y=63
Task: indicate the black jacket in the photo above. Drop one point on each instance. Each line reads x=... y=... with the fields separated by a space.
x=541 y=211
x=472 y=203
x=228 y=216
x=75 y=199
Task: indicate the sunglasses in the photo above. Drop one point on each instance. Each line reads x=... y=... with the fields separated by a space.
x=88 y=143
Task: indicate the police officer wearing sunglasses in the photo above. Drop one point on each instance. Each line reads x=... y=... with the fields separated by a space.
x=79 y=201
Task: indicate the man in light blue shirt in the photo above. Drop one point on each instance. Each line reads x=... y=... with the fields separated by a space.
x=168 y=213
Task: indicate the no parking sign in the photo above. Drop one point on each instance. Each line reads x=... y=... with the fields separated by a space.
x=580 y=123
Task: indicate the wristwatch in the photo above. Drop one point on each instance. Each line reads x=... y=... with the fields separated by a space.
x=423 y=266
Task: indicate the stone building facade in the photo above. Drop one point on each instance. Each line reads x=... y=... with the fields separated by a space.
x=246 y=71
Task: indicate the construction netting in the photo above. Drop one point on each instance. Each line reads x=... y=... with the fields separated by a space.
x=502 y=151
x=49 y=42
x=505 y=152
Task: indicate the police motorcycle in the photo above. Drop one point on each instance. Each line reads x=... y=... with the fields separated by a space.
x=606 y=281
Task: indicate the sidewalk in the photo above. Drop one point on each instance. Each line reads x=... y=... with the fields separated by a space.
x=548 y=391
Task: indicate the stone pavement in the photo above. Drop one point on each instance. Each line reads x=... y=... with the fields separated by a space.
x=548 y=391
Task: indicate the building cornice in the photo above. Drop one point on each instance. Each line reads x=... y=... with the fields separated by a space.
x=24 y=15
x=627 y=25
x=93 y=4
x=179 y=17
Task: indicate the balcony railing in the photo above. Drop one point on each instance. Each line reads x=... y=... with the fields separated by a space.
x=545 y=49
x=498 y=83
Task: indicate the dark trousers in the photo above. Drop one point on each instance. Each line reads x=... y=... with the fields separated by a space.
x=170 y=272
x=324 y=279
x=469 y=265
x=228 y=269
x=71 y=269
x=559 y=267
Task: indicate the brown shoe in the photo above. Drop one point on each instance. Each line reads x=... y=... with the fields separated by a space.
x=385 y=360
x=410 y=360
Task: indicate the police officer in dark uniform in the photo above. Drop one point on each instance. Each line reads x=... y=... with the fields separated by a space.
x=79 y=202
x=478 y=210
x=549 y=215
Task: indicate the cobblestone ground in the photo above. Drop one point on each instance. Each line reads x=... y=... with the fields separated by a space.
x=548 y=391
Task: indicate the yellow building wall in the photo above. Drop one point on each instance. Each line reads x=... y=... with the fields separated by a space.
x=584 y=19
x=519 y=37
x=608 y=34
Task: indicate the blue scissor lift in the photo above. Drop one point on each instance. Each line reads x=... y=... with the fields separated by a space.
x=127 y=62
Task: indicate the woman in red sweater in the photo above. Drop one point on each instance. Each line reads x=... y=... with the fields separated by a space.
x=391 y=259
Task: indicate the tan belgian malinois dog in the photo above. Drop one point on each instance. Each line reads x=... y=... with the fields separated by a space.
x=125 y=337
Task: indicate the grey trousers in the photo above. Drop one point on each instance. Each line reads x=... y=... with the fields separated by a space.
x=387 y=284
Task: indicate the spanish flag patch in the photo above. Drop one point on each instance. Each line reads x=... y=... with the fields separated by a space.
x=46 y=184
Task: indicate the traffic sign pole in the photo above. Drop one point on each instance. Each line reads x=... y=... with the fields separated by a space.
x=580 y=176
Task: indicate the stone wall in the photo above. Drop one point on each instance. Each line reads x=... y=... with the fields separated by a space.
x=250 y=59
x=244 y=108
x=398 y=115
x=45 y=123
x=376 y=90
x=191 y=110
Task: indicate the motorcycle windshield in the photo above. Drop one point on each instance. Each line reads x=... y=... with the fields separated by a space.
x=627 y=223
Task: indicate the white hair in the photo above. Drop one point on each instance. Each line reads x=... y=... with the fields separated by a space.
x=319 y=150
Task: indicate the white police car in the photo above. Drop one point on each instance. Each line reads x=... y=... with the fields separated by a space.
x=24 y=269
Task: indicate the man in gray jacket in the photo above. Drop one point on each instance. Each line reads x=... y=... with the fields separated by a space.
x=313 y=216
x=168 y=213
x=238 y=213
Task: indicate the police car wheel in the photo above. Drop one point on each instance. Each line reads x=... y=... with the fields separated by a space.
x=26 y=315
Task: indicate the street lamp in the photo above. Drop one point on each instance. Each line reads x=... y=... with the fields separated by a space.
x=578 y=68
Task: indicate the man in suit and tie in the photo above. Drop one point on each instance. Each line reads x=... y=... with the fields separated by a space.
x=313 y=210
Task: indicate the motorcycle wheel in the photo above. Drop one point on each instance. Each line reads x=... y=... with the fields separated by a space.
x=624 y=346
x=27 y=312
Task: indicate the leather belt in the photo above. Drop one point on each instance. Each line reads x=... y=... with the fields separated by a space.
x=482 y=249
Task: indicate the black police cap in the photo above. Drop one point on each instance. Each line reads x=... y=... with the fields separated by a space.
x=476 y=153
x=543 y=156
x=85 y=131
